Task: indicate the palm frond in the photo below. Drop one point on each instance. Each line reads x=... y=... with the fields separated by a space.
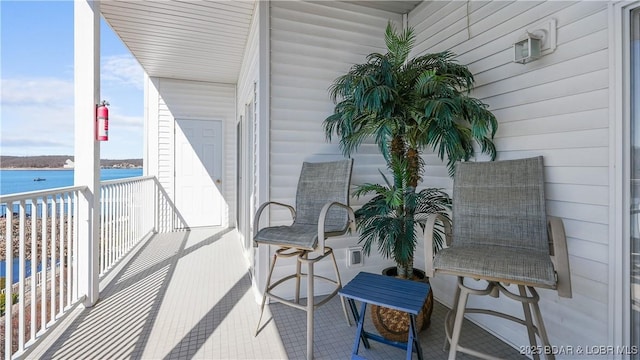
x=434 y=201
x=399 y=45
x=407 y=105
x=367 y=188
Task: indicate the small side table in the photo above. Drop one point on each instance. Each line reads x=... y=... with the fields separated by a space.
x=389 y=292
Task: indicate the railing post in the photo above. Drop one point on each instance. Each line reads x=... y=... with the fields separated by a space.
x=87 y=149
x=8 y=339
x=156 y=207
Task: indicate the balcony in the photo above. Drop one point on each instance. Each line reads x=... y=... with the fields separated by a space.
x=179 y=294
x=188 y=295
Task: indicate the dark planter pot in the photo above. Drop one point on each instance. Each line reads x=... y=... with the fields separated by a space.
x=393 y=324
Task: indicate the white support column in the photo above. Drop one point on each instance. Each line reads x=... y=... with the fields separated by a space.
x=87 y=149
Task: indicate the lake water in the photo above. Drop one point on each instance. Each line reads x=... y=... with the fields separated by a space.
x=19 y=181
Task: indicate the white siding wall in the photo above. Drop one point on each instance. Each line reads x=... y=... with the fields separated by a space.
x=247 y=85
x=557 y=107
x=311 y=45
x=247 y=81
x=170 y=99
x=249 y=69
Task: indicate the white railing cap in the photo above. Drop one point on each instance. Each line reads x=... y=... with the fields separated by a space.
x=40 y=193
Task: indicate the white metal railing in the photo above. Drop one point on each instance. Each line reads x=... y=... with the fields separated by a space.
x=131 y=209
x=41 y=239
x=40 y=233
x=126 y=217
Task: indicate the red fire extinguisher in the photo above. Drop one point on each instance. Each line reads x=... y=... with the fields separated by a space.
x=102 y=116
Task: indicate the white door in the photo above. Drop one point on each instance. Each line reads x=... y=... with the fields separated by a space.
x=198 y=172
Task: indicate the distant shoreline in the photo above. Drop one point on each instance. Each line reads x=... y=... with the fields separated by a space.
x=60 y=162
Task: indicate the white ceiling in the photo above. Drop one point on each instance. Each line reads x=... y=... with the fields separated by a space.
x=399 y=7
x=200 y=40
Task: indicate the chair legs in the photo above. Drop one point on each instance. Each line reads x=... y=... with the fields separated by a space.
x=463 y=295
x=529 y=320
x=302 y=256
x=284 y=252
x=455 y=317
x=311 y=301
x=310 y=309
x=264 y=294
x=342 y=300
x=449 y=319
x=298 y=276
x=541 y=329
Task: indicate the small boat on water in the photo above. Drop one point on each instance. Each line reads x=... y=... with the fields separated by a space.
x=39 y=179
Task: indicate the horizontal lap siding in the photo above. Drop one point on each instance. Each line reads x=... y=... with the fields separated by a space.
x=183 y=99
x=247 y=82
x=556 y=106
x=311 y=45
x=166 y=128
x=249 y=75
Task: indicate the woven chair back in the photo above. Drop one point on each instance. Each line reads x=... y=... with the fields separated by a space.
x=319 y=184
x=500 y=203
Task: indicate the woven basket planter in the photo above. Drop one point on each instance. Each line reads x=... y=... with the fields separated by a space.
x=393 y=324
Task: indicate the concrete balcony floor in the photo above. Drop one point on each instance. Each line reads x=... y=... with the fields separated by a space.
x=188 y=295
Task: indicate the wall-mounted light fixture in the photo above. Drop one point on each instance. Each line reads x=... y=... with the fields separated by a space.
x=528 y=49
x=537 y=41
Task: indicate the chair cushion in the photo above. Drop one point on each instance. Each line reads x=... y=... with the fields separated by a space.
x=297 y=235
x=497 y=263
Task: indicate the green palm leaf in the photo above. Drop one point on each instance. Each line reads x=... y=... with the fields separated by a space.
x=407 y=106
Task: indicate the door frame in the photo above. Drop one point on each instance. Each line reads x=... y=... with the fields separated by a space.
x=620 y=173
x=222 y=186
x=240 y=164
x=245 y=153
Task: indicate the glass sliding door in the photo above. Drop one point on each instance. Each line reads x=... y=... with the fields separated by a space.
x=635 y=177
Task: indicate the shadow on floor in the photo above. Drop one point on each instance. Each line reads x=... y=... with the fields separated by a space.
x=334 y=338
x=118 y=326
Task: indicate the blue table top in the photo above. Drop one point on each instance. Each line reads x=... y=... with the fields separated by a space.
x=387 y=291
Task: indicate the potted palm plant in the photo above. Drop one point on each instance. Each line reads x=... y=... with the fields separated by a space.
x=389 y=219
x=407 y=106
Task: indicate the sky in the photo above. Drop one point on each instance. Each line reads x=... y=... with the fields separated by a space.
x=36 y=83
